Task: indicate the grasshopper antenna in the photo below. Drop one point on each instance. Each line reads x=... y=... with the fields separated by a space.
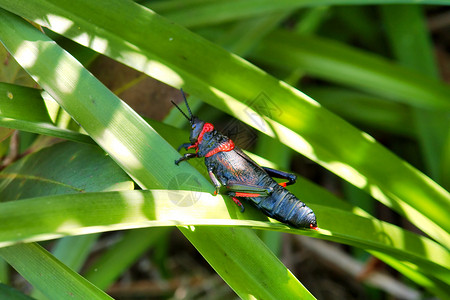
x=184 y=96
x=187 y=105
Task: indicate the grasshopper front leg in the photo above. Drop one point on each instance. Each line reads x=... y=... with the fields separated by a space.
x=186 y=157
x=185 y=146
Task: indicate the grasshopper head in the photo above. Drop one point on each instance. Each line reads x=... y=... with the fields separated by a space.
x=197 y=128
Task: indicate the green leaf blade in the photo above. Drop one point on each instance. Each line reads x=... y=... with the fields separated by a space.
x=67 y=286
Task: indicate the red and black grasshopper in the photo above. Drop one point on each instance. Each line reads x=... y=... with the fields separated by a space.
x=243 y=178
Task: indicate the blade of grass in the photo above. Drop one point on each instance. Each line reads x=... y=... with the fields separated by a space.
x=214 y=12
x=106 y=211
x=73 y=250
x=26 y=258
x=342 y=64
x=434 y=285
x=243 y=36
x=7 y=292
x=368 y=110
x=12 y=72
x=266 y=275
x=134 y=243
x=45 y=129
x=45 y=172
x=412 y=47
x=408 y=35
x=22 y=108
x=4 y=274
x=23 y=103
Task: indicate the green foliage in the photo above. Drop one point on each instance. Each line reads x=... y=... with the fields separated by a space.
x=72 y=189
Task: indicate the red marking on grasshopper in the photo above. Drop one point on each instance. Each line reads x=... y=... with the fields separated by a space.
x=225 y=147
x=206 y=128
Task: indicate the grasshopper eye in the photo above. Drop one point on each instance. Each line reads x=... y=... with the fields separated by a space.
x=194 y=127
